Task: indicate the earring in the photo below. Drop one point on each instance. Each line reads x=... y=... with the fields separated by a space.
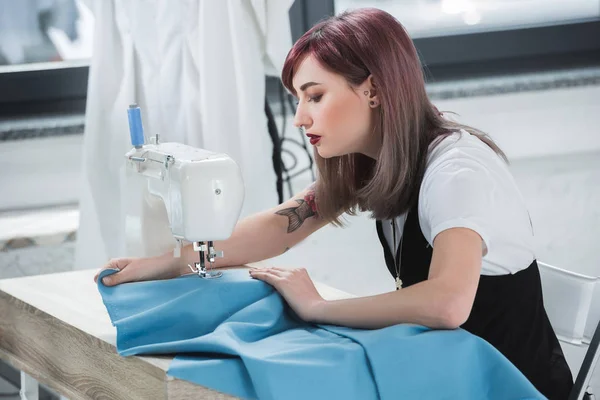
x=372 y=103
x=366 y=92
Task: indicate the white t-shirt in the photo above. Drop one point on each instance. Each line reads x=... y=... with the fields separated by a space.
x=467 y=185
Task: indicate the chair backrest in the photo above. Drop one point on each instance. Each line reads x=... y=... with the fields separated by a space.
x=593 y=316
x=572 y=302
x=568 y=299
x=587 y=368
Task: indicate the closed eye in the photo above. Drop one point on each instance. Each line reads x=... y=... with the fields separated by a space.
x=315 y=99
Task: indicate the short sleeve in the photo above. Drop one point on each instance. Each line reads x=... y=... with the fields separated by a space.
x=457 y=194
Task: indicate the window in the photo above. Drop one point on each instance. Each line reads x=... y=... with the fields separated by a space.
x=455 y=39
x=430 y=18
x=45 y=49
x=473 y=38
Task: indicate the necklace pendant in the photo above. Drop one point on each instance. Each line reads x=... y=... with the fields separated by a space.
x=398 y=283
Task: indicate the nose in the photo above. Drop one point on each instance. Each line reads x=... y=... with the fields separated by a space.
x=301 y=118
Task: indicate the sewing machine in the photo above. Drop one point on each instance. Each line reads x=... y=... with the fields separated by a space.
x=176 y=193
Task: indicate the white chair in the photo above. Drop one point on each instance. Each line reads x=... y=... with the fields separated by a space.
x=572 y=302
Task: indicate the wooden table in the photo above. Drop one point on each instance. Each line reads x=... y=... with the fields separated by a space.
x=56 y=329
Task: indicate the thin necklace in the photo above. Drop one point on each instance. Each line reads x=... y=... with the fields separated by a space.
x=397 y=260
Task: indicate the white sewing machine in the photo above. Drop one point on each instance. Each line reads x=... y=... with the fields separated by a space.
x=176 y=193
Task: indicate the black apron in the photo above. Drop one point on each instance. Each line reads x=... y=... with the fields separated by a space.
x=508 y=312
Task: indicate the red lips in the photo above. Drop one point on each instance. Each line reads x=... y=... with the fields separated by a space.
x=314 y=139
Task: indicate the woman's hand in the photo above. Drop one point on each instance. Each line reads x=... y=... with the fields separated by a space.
x=296 y=287
x=141 y=269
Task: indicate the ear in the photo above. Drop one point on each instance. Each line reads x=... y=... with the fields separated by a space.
x=369 y=91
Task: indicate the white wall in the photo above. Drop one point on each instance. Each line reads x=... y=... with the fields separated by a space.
x=535 y=124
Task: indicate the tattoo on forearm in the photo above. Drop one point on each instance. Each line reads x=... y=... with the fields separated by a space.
x=305 y=209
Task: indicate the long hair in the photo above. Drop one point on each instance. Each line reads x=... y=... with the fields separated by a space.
x=357 y=44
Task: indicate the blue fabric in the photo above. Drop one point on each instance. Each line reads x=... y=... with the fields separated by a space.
x=236 y=335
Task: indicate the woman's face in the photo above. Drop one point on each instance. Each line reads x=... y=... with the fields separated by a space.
x=336 y=116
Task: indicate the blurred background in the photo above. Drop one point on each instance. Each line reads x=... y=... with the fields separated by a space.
x=525 y=71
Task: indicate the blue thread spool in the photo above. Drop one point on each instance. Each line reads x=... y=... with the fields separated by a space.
x=136 y=130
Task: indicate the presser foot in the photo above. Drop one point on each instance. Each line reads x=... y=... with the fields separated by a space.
x=210 y=274
x=204 y=273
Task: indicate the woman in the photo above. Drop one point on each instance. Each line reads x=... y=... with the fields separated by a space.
x=455 y=231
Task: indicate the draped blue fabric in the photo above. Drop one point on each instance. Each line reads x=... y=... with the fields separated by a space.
x=238 y=336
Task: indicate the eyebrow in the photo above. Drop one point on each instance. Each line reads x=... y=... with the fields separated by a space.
x=307 y=85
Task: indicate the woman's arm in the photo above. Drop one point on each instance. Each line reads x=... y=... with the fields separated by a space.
x=264 y=235
x=443 y=301
x=257 y=237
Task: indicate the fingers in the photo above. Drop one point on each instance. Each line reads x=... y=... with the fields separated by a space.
x=115 y=279
x=119 y=264
x=281 y=272
x=100 y=271
x=264 y=272
x=269 y=275
x=272 y=269
x=278 y=269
